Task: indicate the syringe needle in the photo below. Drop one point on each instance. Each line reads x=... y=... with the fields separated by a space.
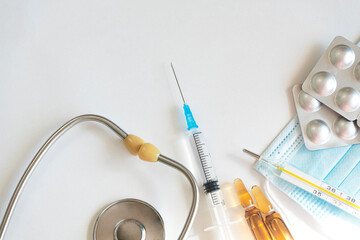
x=208 y=176
x=182 y=96
x=251 y=153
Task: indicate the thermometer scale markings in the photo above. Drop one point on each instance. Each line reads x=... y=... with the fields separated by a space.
x=314 y=186
x=322 y=190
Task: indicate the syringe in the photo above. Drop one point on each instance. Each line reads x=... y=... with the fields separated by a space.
x=209 y=178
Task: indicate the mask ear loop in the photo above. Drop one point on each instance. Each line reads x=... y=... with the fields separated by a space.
x=274 y=201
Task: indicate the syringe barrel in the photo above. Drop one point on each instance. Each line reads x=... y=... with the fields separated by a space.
x=220 y=219
x=204 y=157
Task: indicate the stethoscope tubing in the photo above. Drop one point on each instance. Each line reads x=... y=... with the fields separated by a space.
x=122 y=134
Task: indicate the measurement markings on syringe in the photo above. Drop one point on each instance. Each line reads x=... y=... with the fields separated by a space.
x=203 y=155
x=215 y=198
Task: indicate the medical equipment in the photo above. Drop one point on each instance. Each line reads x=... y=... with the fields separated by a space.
x=322 y=127
x=209 y=179
x=314 y=186
x=140 y=223
x=335 y=79
x=335 y=166
x=252 y=214
x=135 y=221
x=272 y=219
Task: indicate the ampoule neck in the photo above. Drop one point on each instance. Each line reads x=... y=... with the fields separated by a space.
x=251 y=206
x=271 y=211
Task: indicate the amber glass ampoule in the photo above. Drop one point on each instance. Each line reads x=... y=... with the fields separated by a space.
x=273 y=220
x=252 y=214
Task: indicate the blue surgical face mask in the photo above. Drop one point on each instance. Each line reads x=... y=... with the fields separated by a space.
x=338 y=167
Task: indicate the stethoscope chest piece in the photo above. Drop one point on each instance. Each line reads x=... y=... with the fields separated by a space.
x=129 y=219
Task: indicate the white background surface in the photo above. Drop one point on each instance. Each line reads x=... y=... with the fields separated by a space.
x=236 y=62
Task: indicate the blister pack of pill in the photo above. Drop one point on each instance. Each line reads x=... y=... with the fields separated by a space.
x=322 y=127
x=335 y=79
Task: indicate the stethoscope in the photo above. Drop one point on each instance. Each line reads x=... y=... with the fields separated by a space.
x=124 y=219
